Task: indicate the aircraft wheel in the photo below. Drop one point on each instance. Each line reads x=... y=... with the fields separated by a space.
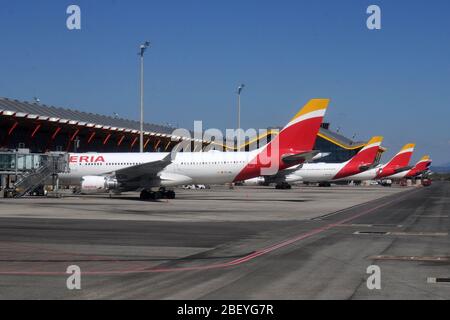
x=157 y=195
x=283 y=186
x=145 y=195
x=324 y=184
x=170 y=194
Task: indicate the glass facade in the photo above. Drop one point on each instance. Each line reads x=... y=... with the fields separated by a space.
x=21 y=162
x=7 y=162
x=338 y=153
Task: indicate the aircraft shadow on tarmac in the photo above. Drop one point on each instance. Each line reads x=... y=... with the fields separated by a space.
x=209 y=199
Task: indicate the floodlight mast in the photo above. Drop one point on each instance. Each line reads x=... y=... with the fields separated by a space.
x=239 y=90
x=142 y=48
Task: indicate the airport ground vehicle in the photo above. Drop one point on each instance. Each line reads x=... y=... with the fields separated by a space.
x=195 y=187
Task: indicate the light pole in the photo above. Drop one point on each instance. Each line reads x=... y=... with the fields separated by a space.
x=142 y=48
x=239 y=90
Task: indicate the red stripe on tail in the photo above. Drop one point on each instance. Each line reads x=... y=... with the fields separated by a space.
x=298 y=136
x=363 y=159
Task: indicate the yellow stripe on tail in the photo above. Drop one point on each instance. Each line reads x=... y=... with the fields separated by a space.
x=312 y=105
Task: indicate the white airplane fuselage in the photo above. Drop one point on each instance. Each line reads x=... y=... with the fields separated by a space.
x=370 y=174
x=399 y=176
x=316 y=172
x=186 y=168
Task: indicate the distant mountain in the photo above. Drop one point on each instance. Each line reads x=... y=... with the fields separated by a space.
x=445 y=168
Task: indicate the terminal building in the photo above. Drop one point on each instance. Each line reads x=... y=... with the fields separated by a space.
x=41 y=128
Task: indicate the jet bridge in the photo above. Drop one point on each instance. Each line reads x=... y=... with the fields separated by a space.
x=21 y=172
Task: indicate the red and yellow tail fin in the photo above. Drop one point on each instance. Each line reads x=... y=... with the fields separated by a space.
x=362 y=160
x=420 y=166
x=300 y=134
x=297 y=137
x=423 y=164
x=370 y=151
x=402 y=158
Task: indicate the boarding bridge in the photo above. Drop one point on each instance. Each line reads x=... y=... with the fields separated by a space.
x=30 y=170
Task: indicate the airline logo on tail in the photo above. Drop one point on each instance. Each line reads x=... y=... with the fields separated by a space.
x=420 y=167
x=363 y=160
x=399 y=163
x=292 y=145
x=299 y=135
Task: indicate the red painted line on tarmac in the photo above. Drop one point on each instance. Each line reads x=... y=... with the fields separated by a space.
x=231 y=263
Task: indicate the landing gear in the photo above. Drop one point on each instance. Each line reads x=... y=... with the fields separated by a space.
x=324 y=184
x=145 y=195
x=170 y=194
x=283 y=186
x=162 y=193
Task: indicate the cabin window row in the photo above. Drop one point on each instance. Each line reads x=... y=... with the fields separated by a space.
x=213 y=162
x=110 y=164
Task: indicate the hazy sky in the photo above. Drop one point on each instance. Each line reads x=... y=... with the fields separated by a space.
x=393 y=82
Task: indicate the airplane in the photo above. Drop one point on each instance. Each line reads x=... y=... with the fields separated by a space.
x=398 y=164
x=325 y=172
x=420 y=168
x=120 y=172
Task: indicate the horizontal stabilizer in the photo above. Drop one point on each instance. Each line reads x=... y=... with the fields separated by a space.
x=364 y=168
x=304 y=156
x=398 y=170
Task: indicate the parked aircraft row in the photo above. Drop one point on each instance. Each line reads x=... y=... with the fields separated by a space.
x=281 y=161
x=361 y=167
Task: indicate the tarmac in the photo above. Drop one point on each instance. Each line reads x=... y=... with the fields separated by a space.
x=245 y=243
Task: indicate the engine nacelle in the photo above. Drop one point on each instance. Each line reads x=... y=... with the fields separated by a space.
x=293 y=178
x=259 y=181
x=98 y=184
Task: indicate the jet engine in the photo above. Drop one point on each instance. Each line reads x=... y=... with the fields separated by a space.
x=98 y=184
x=259 y=181
x=292 y=178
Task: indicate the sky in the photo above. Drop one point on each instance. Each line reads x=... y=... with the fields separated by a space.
x=393 y=82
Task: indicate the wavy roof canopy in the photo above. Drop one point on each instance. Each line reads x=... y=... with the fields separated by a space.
x=78 y=116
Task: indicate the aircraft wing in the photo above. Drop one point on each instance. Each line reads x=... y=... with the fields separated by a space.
x=282 y=174
x=306 y=156
x=145 y=171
